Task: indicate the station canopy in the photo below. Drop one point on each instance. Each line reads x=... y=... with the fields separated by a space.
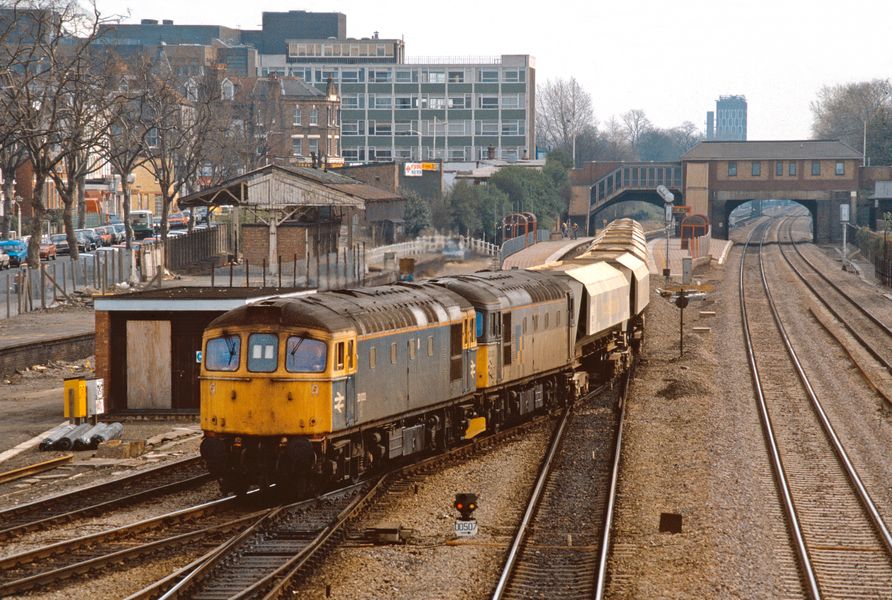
x=274 y=187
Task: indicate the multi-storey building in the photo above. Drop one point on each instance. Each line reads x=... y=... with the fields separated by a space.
x=392 y=108
x=730 y=119
x=451 y=109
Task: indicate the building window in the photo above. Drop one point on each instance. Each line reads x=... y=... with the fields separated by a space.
x=732 y=168
x=779 y=168
x=380 y=76
x=314 y=146
x=456 y=76
x=407 y=76
x=488 y=76
x=382 y=102
x=314 y=116
x=840 y=168
x=513 y=75
x=433 y=76
x=757 y=168
x=351 y=76
x=462 y=101
x=815 y=167
x=791 y=169
x=297 y=146
x=352 y=101
x=513 y=101
x=487 y=102
x=403 y=102
x=296 y=121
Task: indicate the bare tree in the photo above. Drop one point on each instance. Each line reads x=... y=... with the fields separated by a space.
x=185 y=117
x=845 y=111
x=563 y=113
x=635 y=123
x=82 y=132
x=12 y=156
x=36 y=90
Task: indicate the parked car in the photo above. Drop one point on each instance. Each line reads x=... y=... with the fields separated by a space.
x=61 y=242
x=120 y=232
x=4 y=260
x=454 y=250
x=48 y=249
x=106 y=235
x=91 y=236
x=85 y=243
x=17 y=251
x=178 y=220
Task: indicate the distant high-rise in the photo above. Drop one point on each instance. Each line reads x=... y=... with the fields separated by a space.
x=710 y=125
x=730 y=119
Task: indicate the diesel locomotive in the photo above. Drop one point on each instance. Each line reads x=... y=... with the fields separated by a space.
x=297 y=391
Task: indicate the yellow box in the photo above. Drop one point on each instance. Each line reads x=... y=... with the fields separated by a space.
x=75 y=400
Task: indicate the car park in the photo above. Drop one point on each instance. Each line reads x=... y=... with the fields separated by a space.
x=61 y=242
x=4 y=260
x=17 y=251
x=48 y=249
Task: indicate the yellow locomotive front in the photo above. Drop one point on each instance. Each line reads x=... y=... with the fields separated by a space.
x=267 y=398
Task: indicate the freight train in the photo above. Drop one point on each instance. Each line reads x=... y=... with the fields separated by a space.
x=324 y=388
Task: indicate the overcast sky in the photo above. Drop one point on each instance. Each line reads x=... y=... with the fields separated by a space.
x=671 y=59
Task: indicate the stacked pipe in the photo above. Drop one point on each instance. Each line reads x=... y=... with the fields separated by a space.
x=97 y=434
x=66 y=442
x=55 y=435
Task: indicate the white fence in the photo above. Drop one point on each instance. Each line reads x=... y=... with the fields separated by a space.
x=429 y=244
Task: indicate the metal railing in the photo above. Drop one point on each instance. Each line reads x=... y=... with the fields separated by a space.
x=516 y=244
x=197 y=247
x=429 y=244
x=28 y=289
x=635 y=176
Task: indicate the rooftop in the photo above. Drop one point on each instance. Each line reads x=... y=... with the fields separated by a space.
x=772 y=150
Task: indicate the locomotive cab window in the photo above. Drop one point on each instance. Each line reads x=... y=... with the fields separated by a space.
x=305 y=355
x=222 y=353
x=350 y=354
x=263 y=352
x=339 y=356
x=480 y=325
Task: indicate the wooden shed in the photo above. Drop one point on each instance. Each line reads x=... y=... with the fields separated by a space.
x=146 y=344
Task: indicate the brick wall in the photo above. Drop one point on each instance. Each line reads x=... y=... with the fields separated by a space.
x=291 y=240
x=23 y=356
x=103 y=347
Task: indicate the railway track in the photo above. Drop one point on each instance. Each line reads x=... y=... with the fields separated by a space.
x=181 y=531
x=96 y=499
x=871 y=332
x=272 y=557
x=843 y=547
x=560 y=547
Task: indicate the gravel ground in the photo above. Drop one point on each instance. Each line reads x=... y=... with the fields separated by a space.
x=693 y=446
x=430 y=564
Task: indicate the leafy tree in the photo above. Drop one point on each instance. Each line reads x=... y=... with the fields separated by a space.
x=417 y=215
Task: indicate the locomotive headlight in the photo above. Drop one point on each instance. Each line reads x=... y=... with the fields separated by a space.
x=283 y=441
x=237 y=442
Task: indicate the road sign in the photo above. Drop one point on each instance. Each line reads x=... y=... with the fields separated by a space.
x=844 y=213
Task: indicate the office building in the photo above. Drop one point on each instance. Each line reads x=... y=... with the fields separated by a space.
x=728 y=123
